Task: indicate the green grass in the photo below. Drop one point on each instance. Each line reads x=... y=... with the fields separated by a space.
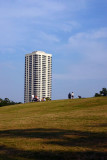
x=55 y=130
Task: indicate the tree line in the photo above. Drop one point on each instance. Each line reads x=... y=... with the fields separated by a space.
x=103 y=92
x=6 y=102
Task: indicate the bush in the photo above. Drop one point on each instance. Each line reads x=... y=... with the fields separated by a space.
x=7 y=102
x=103 y=92
x=47 y=98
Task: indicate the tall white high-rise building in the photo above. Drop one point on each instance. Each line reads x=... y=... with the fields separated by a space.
x=38 y=75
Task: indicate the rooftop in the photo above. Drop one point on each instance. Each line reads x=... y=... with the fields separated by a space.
x=38 y=53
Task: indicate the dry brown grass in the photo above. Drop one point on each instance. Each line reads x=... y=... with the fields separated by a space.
x=56 y=130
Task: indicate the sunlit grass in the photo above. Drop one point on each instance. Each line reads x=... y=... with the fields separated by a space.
x=57 y=130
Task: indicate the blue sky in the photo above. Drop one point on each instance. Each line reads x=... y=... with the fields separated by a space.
x=73 y=31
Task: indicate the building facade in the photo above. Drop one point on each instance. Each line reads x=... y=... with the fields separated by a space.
x=38 y=75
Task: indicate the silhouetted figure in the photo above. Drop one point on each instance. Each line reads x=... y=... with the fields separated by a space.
x=36 y=99
x=69 y=96
x=79 y=96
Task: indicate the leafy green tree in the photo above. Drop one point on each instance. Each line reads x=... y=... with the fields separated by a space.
x=104 y=92
x=97 y=95
x=7 y=102
x=1 y=100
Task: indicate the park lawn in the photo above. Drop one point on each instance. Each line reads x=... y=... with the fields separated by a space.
x=54 y=130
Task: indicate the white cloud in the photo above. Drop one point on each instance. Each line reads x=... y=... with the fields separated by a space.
x=75 y=6
x=30 y=8
x=94 y=34
x=18 y=17
x=48 y=37
x=68 y=26
x=92 y=49
x=101 y=33
x=91 y=44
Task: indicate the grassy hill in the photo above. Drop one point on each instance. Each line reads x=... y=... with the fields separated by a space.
x=55 y=130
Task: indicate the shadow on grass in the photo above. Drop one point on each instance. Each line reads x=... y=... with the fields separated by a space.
x=99 y=125
x=65 y=138
x=16 y=154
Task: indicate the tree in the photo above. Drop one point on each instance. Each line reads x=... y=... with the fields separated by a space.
x=1 y=100
x=103 y=92
x=97 y=95
x=7 y=102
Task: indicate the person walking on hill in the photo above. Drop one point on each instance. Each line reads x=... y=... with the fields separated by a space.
x=69 y=96
x=72 y=95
